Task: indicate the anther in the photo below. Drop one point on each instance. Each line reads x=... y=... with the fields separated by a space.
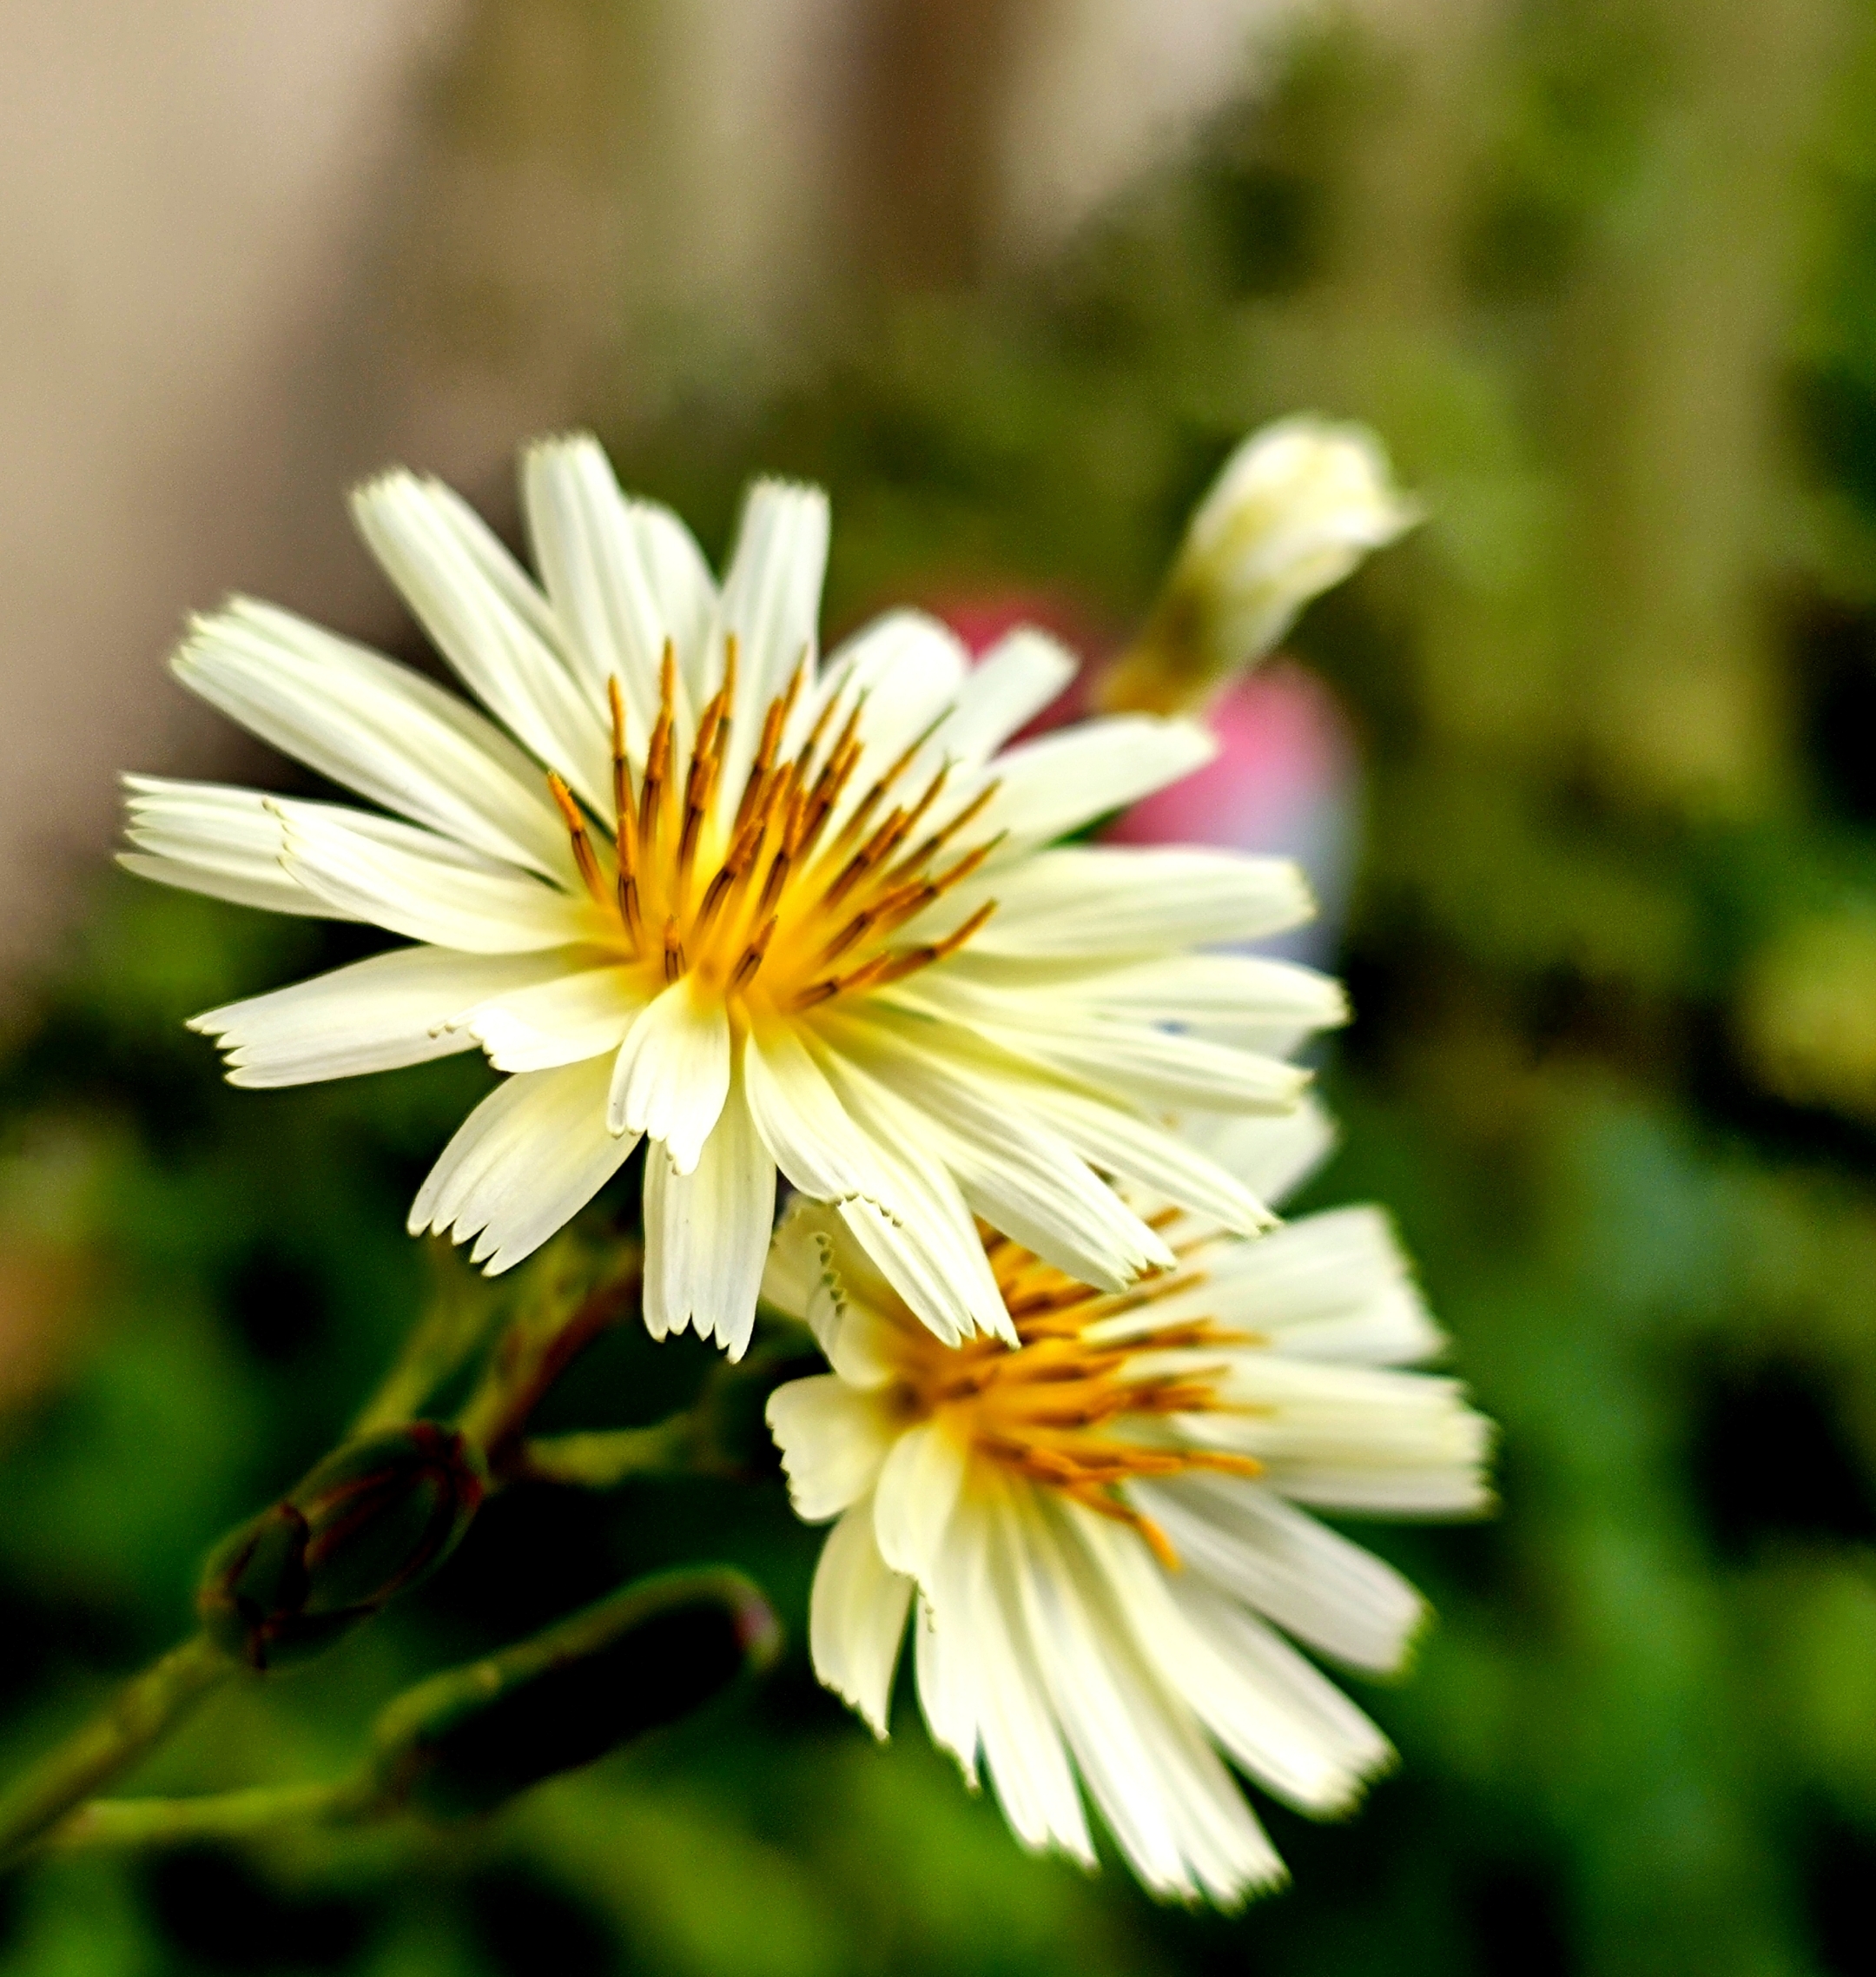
x=584 y=855
x=674 y=954
x=751 y=957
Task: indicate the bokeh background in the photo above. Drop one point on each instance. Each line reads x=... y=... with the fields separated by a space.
x=1592 y=752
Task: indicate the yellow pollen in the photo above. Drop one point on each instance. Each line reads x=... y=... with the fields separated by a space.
x=785 y=891
x=1064 y=1411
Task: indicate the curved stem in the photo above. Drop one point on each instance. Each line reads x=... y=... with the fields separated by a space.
x=144 y=1710
x=531 y=1356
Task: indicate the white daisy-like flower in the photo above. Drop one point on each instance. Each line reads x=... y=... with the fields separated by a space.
x=692 y=885
x=1108 y=1526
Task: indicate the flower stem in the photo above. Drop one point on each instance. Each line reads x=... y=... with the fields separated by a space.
x=123 y=1823
x=144 y=1710
x=531 y=1355
x=603 y=1460
x=457 y=1320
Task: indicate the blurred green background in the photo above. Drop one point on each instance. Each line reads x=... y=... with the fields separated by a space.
x=1604 y=278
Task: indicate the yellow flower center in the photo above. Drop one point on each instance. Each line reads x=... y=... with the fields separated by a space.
x=1072 y=1413
x=768 y=903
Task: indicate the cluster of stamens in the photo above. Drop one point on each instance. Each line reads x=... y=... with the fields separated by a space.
x=768 y=904
x=1068 y=1411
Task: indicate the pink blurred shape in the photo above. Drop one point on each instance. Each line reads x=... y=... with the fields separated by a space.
x=1286 y=781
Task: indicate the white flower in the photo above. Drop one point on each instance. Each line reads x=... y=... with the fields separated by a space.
x=766 y=913
x=1291 y=514
x=1102 y=1525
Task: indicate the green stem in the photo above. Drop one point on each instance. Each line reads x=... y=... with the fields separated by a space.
x=125 y=1823
x=458 y=1319
x=144 y=1710
x=601 y=1461
x=530 y=1359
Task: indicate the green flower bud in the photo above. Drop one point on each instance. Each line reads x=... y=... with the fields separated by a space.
x=372 y=1518
x=463 y=1742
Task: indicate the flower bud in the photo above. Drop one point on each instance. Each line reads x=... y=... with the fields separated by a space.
x=373 y=1517
x=463 y=1742
x=1295 y=509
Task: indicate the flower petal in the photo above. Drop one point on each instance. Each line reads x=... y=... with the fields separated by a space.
x=1281 y=1563
x=527 y=1160
x=1022 y=1745
x=1133 y=1148
x=543 y=1022
x=707 y=1233
x=857 y=1618
x=833 y=1442
x=1351 y=1438
x=920 y=1233
x=1160 y=1068
x=1169 y=1801
x=1085 y=901
x=620 y=582
x=1061 y=781
x=489 y=622
x=1233 y=995
x=416 y=884
x=379 y=728
x=1009 y=685
x=772 y=603
x=914 y=1498
x=673 y=1074
x=1287 y=1725
x=1024 y=1179
x=374 y=1015
x=211 y=838
x=802 y=1122
x=1272 y=1156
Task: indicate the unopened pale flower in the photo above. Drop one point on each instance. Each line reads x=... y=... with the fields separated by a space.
x=1293 y=510
x=690 y=884
x=1107 y=1528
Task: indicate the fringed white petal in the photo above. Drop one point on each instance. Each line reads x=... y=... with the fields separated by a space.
x=1285 y=1723
x=916 y=1493
x=672 y=1072
x=1168 y=1801
x=417 y=885
x=620 y=583
x=707 y=1233
x=1279 y=1561
x=857 y=1618
x=833 y=1443
x=802 y=1122
x=920 y=1233
x=379 y=728
x=374 y=1015
x=575 y=1015
x=771 y=603
x=490 y=623
x=1234 y=996
x=209 y=838
x=1273 y=1157
x=1351 y=1438
x=1135 y=1063
x=1023 y=1744
x=527 y=1159
x=1023 y=1179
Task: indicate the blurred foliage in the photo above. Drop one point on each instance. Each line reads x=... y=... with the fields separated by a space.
x=1605 y=277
